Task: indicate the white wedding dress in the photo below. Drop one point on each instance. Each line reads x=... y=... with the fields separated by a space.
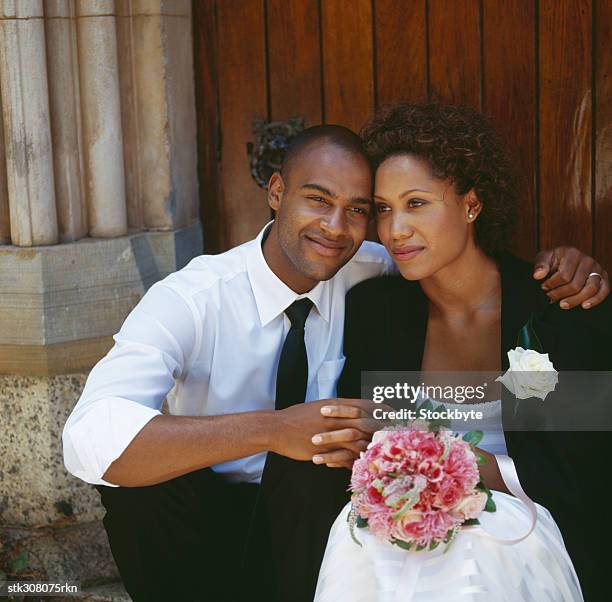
x=477 y=567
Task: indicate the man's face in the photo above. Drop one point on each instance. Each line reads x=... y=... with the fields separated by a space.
x=323 y=207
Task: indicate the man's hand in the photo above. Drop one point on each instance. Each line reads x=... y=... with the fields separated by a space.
x=565 y=272
x=337 y=430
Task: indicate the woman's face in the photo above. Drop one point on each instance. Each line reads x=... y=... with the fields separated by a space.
x=421 y=220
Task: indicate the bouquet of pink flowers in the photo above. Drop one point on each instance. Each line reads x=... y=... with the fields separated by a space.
x=417 y=488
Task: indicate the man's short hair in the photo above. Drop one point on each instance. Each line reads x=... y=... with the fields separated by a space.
x=335 y=135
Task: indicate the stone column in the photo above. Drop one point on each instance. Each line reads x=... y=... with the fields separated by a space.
x=64 y=100
x=130 y=116
x=101 y=110
x=5 y=229
x=25 y=106
x=156 y=62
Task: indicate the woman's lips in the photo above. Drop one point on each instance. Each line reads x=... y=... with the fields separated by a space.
x=328 y=249
x=406 y=253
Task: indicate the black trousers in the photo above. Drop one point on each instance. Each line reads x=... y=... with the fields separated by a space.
x=296 y=508
x=185 y=539
x=182 y=539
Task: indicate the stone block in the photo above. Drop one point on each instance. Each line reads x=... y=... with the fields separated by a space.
x=35 y=488
x=74 y=553
x=81 y=291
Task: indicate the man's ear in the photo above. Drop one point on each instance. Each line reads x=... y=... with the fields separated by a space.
x=472 y=205
x=276 y=187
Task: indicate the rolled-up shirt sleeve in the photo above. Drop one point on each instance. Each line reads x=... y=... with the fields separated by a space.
x=126 y=389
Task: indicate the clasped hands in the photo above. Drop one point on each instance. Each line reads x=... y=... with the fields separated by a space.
x=330 y=431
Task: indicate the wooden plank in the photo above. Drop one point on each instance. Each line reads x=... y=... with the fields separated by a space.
x=207 y=98
x=242 y=93
x=565 y=124
x=401 y=51
x=603 y=133
x=294 y=60
x=347 y=61
x=454 y=51
x=510 y=99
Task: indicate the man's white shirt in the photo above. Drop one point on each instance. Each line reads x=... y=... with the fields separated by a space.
x=208 y=339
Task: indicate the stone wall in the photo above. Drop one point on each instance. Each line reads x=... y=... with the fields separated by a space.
x=98 y=200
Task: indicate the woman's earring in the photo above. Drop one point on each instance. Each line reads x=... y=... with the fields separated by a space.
x=470 y=215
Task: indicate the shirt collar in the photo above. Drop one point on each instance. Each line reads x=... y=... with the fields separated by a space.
x=272 y=295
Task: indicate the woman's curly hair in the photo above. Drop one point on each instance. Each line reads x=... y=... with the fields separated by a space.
x=460 y=145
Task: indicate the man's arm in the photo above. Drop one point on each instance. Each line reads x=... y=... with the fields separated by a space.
x=170 y=446
x=116 y=434
x=565 y=275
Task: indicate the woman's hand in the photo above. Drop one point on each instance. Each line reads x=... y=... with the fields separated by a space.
x=354 y=439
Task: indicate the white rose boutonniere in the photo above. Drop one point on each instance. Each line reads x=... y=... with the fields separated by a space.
x=531 y=374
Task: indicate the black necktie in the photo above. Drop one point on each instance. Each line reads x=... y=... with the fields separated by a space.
x=298 y=501
x=272 y=523
x=292 y=376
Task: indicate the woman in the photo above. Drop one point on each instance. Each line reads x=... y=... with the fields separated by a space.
x=445 y=197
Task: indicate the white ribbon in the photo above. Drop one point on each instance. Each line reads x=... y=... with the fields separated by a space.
x=510 y=478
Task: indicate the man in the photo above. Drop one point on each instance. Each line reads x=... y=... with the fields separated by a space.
x=236 y=342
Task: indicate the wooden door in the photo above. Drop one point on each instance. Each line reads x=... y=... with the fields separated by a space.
x=539 y=69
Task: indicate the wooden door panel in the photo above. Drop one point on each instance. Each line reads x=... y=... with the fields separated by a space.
x=294 y=59
x=242 y=97
x=603 y=133
x=205 y=41
x=454 y=51
x=509 y=97
x=401 y=51
x=565 y=123
x=347 y=62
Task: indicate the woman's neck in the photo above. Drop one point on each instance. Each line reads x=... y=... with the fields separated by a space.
x=465 y=287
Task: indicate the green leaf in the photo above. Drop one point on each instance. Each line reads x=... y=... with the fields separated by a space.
x=420 y=548
x=361 y=523
x=473 y=437
x=482 y=486
x=353 y=517
x=481 y=459
x=435 y=425
x=433 y=545
x=490 y=506
x=405 y=545
x=427 y=405
x=528 y=338
x=19 y=563
x=471 y=521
